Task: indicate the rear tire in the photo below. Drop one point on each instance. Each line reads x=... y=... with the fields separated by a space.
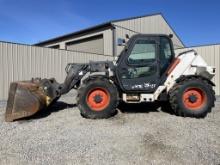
x=97 y=99
x=192 y=97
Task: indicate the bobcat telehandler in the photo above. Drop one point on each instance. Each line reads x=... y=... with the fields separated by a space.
x=146 y=71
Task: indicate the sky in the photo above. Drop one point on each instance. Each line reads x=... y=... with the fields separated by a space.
x=197 y=22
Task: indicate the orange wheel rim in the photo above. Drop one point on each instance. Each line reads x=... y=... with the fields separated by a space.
x=194 y=98
x=98 y=99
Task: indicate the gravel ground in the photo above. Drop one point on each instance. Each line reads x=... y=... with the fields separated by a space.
x=141 y=135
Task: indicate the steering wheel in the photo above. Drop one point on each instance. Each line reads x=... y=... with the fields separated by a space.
x=132 y=72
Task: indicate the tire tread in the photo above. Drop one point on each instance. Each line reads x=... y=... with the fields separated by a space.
x=173 y=99
x=82 y=108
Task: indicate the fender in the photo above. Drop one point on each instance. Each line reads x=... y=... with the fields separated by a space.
x=182 y=78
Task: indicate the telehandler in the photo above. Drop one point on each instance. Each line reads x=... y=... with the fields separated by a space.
x=147 y=70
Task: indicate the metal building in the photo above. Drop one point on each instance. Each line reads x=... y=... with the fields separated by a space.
x=101 y=39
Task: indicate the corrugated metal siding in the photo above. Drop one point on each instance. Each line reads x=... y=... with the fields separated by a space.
x=108 y=40
x=211 y=54
x=22 y=62
x=149 y=25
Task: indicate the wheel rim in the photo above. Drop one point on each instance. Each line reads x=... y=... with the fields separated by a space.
x=194 y=98
x=98 y=99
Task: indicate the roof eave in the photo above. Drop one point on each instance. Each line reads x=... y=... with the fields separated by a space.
x=84 y=31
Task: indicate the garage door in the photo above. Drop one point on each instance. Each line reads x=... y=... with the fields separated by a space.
x=93 y=44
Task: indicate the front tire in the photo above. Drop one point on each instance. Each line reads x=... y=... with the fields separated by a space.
x=97 y=99
x=193 y=97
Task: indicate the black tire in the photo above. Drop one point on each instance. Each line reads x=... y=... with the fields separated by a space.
x=84 y=93
x=166 y=107
x=186 y=104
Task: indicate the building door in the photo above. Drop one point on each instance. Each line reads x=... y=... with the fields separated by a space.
x=93 y=44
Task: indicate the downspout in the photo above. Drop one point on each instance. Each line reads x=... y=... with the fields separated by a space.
x=114 y=46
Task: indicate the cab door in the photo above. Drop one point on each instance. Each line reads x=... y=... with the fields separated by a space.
x=138 y=68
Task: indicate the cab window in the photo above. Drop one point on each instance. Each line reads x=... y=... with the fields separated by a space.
x=165 y=53
x=144 y=51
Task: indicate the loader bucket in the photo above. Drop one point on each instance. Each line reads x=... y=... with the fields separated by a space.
x=25 y=99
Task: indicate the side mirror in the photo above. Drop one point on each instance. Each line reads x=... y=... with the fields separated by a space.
x=121 y=42
x=171 y=35
x=127 y=36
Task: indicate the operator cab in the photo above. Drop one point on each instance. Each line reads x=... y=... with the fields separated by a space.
x=143 y=63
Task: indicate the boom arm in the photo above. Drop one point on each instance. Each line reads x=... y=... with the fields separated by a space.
x=75 y=72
